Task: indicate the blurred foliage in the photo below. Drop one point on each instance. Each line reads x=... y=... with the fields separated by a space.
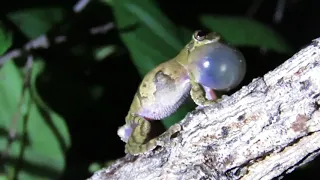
x=36 y=21
x=42 y=135
x=38 y=152
x=144 y=34
x=241 y=31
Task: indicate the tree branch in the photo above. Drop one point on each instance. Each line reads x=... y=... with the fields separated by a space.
x=265 y=130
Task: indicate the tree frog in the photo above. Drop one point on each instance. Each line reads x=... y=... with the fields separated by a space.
x=205 y=64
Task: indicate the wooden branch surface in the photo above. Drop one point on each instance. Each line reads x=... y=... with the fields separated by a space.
x=263 y=131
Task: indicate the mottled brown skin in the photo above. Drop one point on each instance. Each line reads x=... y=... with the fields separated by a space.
x=160 y=94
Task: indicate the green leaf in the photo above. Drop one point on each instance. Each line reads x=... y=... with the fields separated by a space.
x=150 y=37
x=5 y=39
x=93 y=167
x=185 y=34
x=156 y=21
x=241 y=31
x=36 y=21
x=3 y=177
x=43 y=138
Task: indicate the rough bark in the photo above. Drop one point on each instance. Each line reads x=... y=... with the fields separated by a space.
x=265 y=130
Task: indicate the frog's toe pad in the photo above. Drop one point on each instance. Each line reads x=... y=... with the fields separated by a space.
x=124 y=132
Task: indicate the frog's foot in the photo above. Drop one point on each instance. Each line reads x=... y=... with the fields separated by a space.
x=135 y=147
x=124 y=132
x=136 y=143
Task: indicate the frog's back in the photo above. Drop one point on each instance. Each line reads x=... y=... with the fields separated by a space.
x=162 y=91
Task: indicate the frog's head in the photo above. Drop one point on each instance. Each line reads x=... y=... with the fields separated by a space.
x=201 y=38
x=212 y=62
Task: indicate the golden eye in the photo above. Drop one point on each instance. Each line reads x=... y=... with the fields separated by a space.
x=200 y=35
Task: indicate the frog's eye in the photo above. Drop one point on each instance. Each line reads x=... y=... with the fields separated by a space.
x=217 y=66
x=200 y=35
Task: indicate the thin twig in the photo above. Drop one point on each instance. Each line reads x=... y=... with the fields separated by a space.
x=254 y=7
x=102 y=29
x=42 y=42
x=80 y=5
x=17 y=115
x=10 y=55
x=278 y=15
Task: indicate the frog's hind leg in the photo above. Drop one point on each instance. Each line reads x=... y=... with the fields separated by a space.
x=138 y=141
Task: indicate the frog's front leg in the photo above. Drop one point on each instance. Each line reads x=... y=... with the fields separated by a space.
x=199 y=94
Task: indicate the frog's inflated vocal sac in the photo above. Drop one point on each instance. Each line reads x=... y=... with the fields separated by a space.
x=205 y=64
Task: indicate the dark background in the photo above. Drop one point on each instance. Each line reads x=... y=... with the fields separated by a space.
x=93 y=122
